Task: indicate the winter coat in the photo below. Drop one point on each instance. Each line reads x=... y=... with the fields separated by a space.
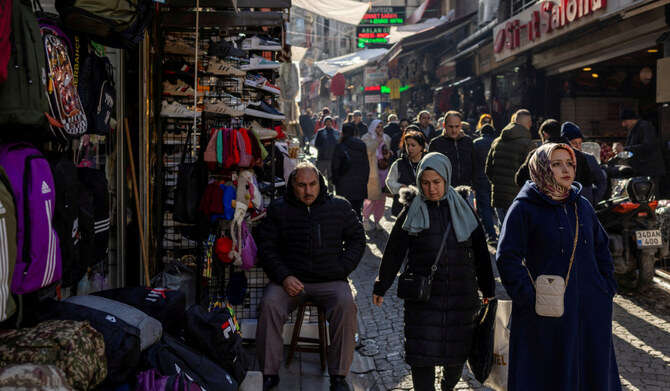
x=361 y=129
x=482 y=146
x=374 y=185
x=401 y=173
x=643 y=143
x=432 y=132
x=582 y=174
x=307 y=126
x=320 y=243
x=507 y=154
x=599 y=179
x=573 y=352
x=440 y=331
x=325 y=142
x=393 y=130
x=461 y=154
x=351 y=184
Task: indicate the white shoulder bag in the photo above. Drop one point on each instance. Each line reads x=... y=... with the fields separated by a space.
x=550 y=289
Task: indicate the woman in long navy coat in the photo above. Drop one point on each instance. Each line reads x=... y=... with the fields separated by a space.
x=573 y=352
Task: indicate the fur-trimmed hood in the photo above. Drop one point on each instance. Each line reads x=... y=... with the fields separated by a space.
x=407 y=194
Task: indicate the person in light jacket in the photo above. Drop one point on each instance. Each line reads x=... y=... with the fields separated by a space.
x=550 y=229
x=375 y=203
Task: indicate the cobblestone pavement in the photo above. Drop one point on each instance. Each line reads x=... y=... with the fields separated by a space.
x=641 y=334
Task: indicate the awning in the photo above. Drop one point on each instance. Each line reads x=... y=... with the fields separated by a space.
x=419 y=40
x=399 y=32
x=345 y=11
x=349 y=62
x=418 y=13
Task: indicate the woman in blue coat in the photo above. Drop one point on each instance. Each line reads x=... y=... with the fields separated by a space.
x=573 y=352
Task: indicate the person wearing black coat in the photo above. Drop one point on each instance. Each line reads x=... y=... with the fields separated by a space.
x=394 y=131
x=458 y=147
x=482 y=185
x=441 y=330
x=309 y=243
x=350 y=169
x=402 y=173
x=428 y=130
x=550 y=130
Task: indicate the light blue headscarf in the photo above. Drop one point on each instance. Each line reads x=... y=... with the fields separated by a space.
x=463 y=219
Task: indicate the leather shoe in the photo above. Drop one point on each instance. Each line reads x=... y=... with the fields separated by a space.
x=270 y=381
x=339 y=383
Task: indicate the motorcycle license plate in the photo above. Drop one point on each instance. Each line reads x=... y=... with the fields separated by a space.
x=649 y=238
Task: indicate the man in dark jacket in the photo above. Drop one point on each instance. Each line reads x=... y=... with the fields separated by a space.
x=351 y=168
x=596 y=192
x=394 y=131
x=482 y=185
x=307 y=126
x=550 y=131
x=642 y=141
x=458 y=147
x=311 y=241
x=361 y=127
x=325 y=142
x=428 y=130
x=507 y=154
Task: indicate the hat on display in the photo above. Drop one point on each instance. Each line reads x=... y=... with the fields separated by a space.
x=571 y=131
x=627 y=113
x=222 y=247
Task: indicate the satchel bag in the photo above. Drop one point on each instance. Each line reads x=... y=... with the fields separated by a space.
x=550 y=289
x=416 y=287
x=480 y=359
x=187 y=194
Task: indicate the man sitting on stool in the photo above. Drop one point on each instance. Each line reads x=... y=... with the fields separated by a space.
x=309 y=243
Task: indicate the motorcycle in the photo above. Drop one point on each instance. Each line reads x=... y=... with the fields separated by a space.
x=628 y=216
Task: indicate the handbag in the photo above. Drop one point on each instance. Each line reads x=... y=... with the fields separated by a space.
x=382 y=164
x=187 y=197
x=480 y=359
x=550 y=289
x=415 y=286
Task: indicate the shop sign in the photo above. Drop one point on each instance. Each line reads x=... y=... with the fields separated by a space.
x=446 y=72
x=372 y=34
x=376 y=25
x=384 y=15
x=373 y=98
x=544 y=21
x=375 y=76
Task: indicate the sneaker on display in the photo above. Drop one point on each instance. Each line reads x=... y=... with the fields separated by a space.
x=260 y=43
x=174 y=45
x=176 y=110
x=178 y=68
x=263 y=110
x=178 y=89
x=224 y=48
x=261 y=132
x=218 y=107
x=219 y=67
x=175 y=138
x=257 y=62
x=260 y=82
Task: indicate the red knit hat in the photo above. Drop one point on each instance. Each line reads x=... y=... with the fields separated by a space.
x=222 y=247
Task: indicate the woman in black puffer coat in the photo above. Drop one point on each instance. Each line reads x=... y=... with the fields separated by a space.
x=439 y=331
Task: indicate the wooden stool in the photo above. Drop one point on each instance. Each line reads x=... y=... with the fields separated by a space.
x=321 y=342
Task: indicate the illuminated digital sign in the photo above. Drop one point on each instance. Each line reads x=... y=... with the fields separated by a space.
x=376 y=25
x=384 y=15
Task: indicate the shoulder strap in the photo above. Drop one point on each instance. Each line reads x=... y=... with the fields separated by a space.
x=439 y=253
x=188 y=139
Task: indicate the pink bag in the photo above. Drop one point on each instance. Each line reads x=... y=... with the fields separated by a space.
x=245 y=158
x=248 y=250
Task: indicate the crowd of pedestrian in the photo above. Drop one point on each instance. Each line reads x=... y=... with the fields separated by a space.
x=455 y=188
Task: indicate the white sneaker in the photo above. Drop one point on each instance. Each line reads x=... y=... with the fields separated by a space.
x=176 y=110
x=378 y=226
x=258 y=43
x=217 y=106
x=175 y=45
x=219 y=67
x=261 y=132
x=179 y=89
x=367 y=226
x=259 y=63
x=260 y=82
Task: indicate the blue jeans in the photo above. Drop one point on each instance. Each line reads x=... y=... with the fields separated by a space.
x=483 y=195
x=501 y=212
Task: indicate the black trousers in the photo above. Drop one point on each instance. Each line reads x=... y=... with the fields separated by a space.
x=423 y=378
x=357 y=206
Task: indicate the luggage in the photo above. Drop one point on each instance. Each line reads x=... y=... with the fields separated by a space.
x=215 y=334
x=121 y=340
x=150 y=329
x=165 y=305
x=23 y=97
x=38 y=261
x=94 y=186
x=7 y=245
x=5 y=33
x=33 y=377
x=171 y=355
x=64 y=101
x=74 y=347
x=114 y=23
x=152 y=380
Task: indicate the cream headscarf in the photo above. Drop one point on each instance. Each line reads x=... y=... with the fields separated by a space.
x=541 y=174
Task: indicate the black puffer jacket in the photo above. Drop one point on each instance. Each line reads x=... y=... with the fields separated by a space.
x=440 y=331
x=351 y=184
x=320 y=243
x=461 y=154
x=643 y=143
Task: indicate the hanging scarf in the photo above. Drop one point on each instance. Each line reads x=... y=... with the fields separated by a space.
x=541 y=174
x=463 y=219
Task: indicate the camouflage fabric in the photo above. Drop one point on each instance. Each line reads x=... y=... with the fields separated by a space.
x=29 y=377
x=74 y=347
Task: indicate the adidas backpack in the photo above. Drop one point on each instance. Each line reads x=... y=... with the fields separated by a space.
x=38 y=260
x=94 y=187
x=7 y=245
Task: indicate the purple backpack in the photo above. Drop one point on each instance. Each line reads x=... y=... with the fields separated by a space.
x=38 y=256
x=152 y=380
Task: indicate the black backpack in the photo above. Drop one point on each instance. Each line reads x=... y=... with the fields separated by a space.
x=215 y=334
x=118 y=24
x=66 y=217
x=96 y=188
x=97 y=92
x=187 y=194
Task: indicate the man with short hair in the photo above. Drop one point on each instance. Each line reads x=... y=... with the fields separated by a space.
x=325 y=142
x=458 y=147
x=423 y=122
x=361 y=128
x=507 y=154
x=310 y=242
x=642 y=141
x=596 y=192
x=394 y=131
